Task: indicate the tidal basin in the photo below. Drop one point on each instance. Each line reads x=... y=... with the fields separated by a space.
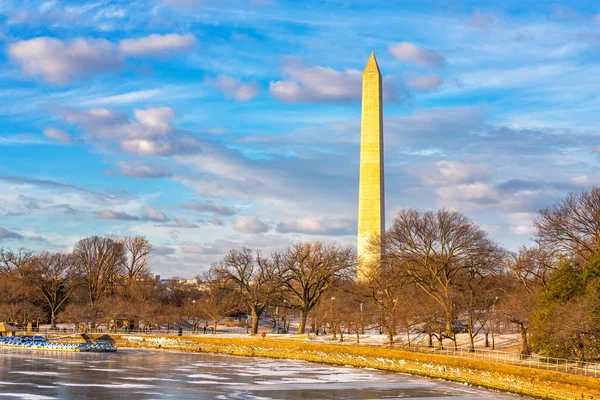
x=141 y=374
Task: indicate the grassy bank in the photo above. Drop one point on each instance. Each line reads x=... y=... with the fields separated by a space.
x=514 y=379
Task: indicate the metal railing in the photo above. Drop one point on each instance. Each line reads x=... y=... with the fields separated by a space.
x=532 y=361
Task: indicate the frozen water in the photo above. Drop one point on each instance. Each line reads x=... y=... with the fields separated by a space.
x=148 y=374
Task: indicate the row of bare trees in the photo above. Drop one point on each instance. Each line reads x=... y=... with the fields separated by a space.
x=439 y=274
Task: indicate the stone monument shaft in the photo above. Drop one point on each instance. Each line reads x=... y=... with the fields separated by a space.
x=371 y=198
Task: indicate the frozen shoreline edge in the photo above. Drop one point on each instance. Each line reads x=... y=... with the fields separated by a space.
x=492 y=376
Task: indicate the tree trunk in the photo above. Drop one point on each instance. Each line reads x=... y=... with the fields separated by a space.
x=471 y=333
x=302 y=323
x=408 y=335
x=581 y=351
x=391 y=336
x=525 y=349
x=215 y=327
x=449 y=329
x=52 y=319
x=255 y=318
x=341 y=336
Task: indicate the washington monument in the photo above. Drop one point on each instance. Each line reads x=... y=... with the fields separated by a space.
x=371 y=197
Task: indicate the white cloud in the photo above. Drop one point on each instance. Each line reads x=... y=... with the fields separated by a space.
x=150 y=214
x=210 y=207
x=314 y=226
x=308 y=83
x=453 y=172
x=250 y=225
x=413 y=54
x=182 y=223
x=60 y=62
x=163 y=250
x=152 y=132
x=235 y=88
x=581 y=180
x=153 y=121
x=522 y=223
x=156 y=44
x=93 y=118
x=477 y=192
x=199 y=249
x=424 y=82
x=322 y=84
x=58 y=135
x=110 y=214
x=6 y=234
x=142 y=171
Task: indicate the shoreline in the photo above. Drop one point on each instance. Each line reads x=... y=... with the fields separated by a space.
x=529 y=382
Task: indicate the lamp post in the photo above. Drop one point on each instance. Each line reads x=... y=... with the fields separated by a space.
x=493 y=322
x=195 y=325
x=362 y=320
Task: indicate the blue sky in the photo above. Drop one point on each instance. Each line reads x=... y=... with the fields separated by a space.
x=210 y=125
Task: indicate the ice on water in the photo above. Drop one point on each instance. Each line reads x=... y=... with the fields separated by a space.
x=139 y=374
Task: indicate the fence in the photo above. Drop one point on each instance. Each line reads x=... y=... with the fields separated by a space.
x=531 y=361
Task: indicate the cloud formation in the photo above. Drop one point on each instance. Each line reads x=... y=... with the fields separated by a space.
x=142 y=171
x=5 y=234
x=247 y=224
x=156 y=44
x=151 y=214
x=411 y=53
x=314 y=226
x=234 y=88
x=210 y=207
x=111 y=214
x=307 y=83
x=62 y=61
x=424 y=82
x=58 y=135
x=151 y=133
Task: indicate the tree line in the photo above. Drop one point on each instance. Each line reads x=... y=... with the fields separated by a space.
x=439 y=274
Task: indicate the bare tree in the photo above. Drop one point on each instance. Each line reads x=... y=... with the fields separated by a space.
x=54 y=278
x=252 y=277
x=217 y=300
x=532 y=265
x=386 y=285
x=572 y=225
x=100 y=260
x=305 y=270
x=11 y=260
x=435 y=248
x=137 y=252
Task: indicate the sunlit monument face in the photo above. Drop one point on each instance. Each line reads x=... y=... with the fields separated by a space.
x=371 y=209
